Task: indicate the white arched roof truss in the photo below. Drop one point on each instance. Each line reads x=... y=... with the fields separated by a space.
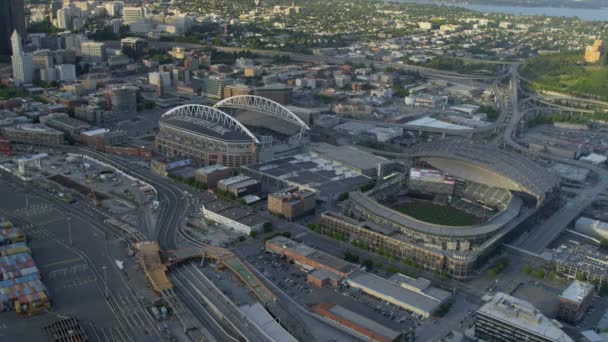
x=212 y=114
x=262 y=105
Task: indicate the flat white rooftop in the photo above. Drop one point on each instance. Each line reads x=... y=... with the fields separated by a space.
x=434 y=123
x=523 y=315
x=264 y=321
x=418 y=302
x=577 y=291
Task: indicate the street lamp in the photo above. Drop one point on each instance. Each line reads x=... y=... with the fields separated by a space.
x=69 y=230
x=105 y=280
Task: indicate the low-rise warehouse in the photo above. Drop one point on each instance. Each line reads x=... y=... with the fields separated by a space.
x=239 y=186
x=420 y=285
x=321 y=277
x=64 y=123
x=417 y=302
x=212 y=174
x=308 y=257
x=357 y=160
x=35 y=134
x=231 y=216
x=307 y=171
x=354 y=321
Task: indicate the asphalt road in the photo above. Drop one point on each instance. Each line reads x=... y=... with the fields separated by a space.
x=175 y=204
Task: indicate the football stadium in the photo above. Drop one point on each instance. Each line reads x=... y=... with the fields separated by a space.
x=456 y=203
x=280 y=131
x=239 y=130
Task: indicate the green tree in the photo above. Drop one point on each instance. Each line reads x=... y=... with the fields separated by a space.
x=527 y=269
x=604 y=59
x=349 y=256
x=392 y=269
x=267 y=227
x=315 y=227
x=44 y=26
x=491 y=273
x=368 y=263
x=444 y=309
x=539 y=273
x=253 y=234
x=343 y=197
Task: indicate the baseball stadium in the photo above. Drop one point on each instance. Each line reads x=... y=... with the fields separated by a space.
x=457 y=201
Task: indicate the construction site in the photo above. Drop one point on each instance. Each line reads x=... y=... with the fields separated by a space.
x=155 y=269
x=156 y=265
x=72 y=178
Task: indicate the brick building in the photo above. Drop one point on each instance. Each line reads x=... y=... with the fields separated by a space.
x=574 y=301
x=292 y=203
x=212 y=174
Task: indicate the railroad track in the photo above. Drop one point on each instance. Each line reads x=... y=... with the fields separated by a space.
x=126 y=328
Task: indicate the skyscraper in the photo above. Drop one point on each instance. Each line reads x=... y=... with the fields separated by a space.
x=23 y=65
x=64 y=18
x=12 y=17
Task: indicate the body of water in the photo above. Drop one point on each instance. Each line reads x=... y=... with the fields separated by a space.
x=582 y=13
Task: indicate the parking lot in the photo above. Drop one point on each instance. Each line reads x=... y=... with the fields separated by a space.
x=291 y=279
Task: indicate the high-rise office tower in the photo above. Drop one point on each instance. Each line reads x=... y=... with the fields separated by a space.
x=23 y=65
x=12 y=17
x=64 y=18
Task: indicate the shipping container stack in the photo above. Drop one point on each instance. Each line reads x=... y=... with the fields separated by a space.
x=5 y=147
x=21 y=289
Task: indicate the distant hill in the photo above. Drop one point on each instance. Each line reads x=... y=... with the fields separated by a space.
x=567 y=73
